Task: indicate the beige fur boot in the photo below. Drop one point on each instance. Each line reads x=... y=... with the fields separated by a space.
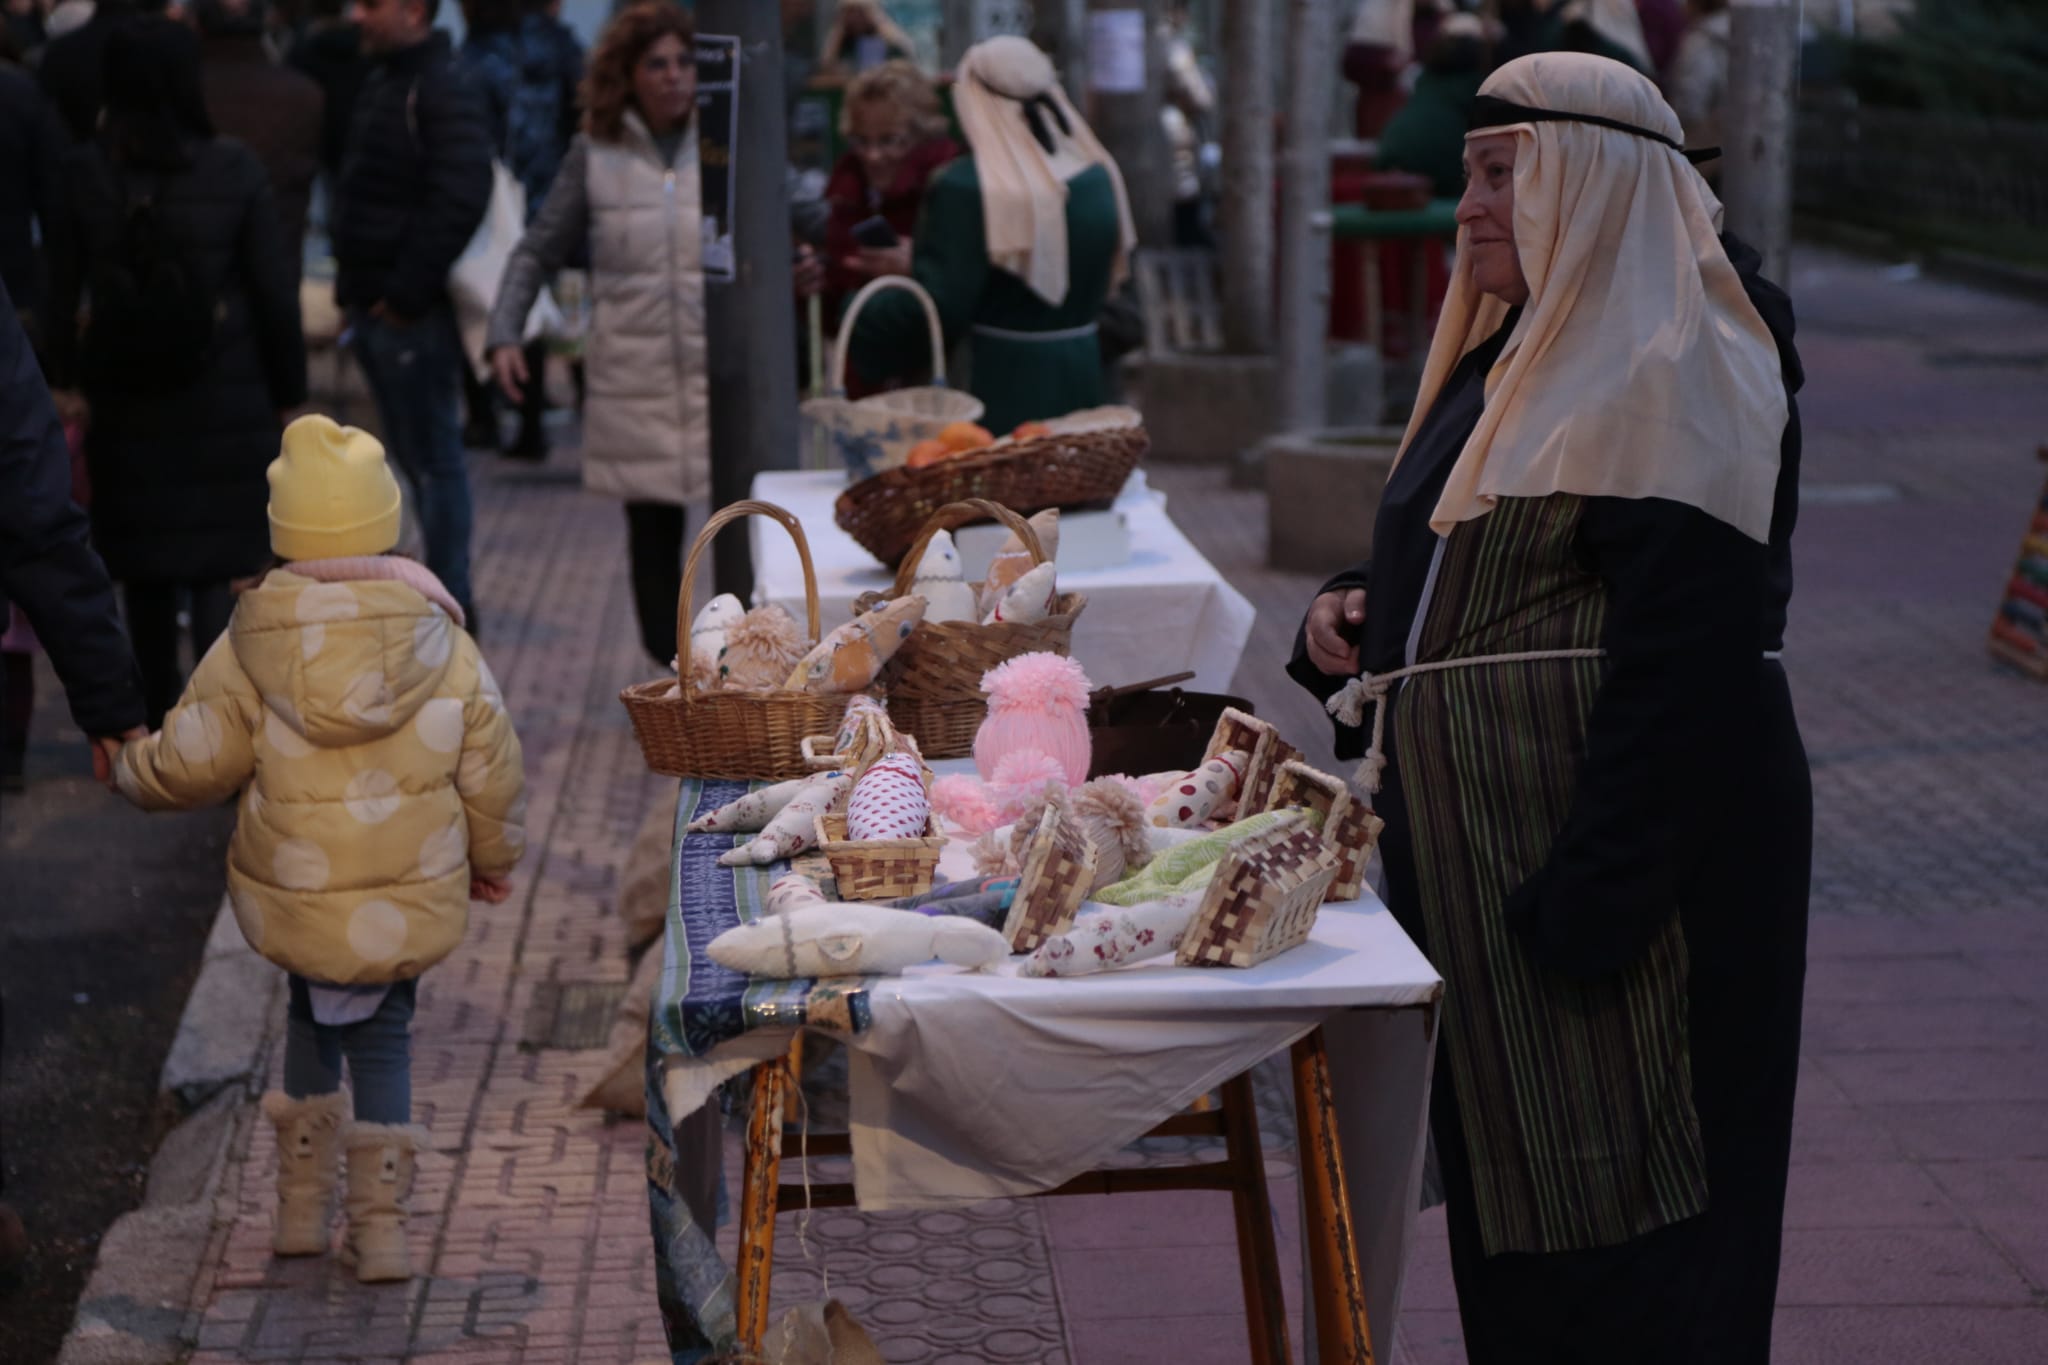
x=380 y=1169
x=308 y=1156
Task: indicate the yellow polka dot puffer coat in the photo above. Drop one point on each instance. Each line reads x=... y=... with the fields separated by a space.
x=377 y=767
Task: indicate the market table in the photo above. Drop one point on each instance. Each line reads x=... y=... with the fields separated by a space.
x=972 y=1086
x=1165 y=611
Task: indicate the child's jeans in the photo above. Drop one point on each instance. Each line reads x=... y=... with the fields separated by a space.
x=379 y=1053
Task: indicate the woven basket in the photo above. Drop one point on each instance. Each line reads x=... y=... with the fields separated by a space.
x=934 y=682
x=876 y=433
x=734 y=736
x=1085 y=461
x=878 y=869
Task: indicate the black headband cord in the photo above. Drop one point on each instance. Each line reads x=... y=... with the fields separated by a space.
x=1490 y=111
x=1036 y=108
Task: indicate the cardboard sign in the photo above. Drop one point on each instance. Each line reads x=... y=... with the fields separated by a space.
x=2019 y=633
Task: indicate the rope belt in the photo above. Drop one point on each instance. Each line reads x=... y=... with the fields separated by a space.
x=1348 y=706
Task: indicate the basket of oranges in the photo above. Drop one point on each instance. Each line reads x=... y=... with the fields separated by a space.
x=879 y=432
x=1079 y=460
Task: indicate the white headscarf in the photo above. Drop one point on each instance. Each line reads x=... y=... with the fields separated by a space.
x=1004 y=84
x=1639 y=368
x=1617 y=22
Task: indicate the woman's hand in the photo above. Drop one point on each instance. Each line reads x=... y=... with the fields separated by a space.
x=881 y=260
x=1333 y=623
x=508 y=363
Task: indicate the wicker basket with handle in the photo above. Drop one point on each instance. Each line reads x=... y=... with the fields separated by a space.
x=1084 y=462
x=934 y=682
x=876 y=433
x=687 y=732
x=879 y=869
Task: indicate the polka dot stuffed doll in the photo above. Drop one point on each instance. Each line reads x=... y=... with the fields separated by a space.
x=381 y=790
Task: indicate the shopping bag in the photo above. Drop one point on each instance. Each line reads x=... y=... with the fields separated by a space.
x=474 y=279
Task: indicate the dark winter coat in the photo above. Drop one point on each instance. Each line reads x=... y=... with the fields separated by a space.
x=178 y=475
x=333 y=56
x=72 y=71
x=274 y=111
x=414 y=183
x=529 y=76
x=33 y=144
x=47 y=566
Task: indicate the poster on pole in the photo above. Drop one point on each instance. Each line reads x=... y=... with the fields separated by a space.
x=1116 y=51
x=718 y=140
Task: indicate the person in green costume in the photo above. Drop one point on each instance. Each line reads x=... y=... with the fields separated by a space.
x=1427 y=136
x=1020 y=243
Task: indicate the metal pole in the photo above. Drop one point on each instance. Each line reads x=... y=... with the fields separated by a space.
x=750 y=318
x=1756 y=173
x=1247 y=209
x=1061 y=28
x=956 y=32
x=1305 y=214
x=1127 y=121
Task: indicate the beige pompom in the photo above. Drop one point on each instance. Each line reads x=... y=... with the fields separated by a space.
x=1113 y=819
x=760 y=650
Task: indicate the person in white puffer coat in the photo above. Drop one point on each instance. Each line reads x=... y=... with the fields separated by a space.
x=628 y=187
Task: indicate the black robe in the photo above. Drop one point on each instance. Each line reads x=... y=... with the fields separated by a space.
x=1693 y=796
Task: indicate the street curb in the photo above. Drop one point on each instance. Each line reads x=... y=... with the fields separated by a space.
x=1961 y=267
x=139 y=1307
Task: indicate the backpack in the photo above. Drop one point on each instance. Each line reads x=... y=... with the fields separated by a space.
x=153 y=316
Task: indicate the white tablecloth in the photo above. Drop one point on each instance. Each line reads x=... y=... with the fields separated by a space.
x=1165 y=611
x=975 y=1086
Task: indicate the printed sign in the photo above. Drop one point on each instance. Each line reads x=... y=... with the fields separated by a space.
x=718 y=140
x=1116 y=51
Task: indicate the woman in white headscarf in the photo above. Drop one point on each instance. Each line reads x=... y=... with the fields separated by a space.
x=1021 y=242
x=1561 y=665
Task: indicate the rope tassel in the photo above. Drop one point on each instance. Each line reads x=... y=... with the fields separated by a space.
x=1348 y=705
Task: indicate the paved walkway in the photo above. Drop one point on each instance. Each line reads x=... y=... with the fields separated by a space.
x=1919 y=1204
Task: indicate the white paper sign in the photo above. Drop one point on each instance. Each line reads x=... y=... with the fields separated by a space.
x=1116 y=51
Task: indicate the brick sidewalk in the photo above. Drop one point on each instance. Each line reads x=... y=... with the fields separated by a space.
x=1919 y=1202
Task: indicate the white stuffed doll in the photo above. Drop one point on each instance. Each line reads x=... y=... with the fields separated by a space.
x=850 y=658
x=942 y=584
x=795 y=826
x=1189 y=803
x=1105 y=936
x=889 y=800
x=708 y=632
x=855 y=940
x=1013 y=561
x=1030 y=599
x=752 y=812
x=793 y=891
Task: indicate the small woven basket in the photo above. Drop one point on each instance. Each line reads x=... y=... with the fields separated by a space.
x=934 y=682
x=876 y=433
x=878 y=869
x=734 y=736
x=1084 y=462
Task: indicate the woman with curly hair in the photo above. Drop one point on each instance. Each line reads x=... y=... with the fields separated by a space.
x=628 y=187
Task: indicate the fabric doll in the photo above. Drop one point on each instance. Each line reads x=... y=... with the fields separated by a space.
x=708 y=631
x=795 y=826
x=1186 y=867
x=942 y=584
x=752 y=812
x=854 y=940
x=1189 y=803
x=1109 y=814
x=850 y=658
x=760 y=649
x=1029 y=600
x=889 y=800
x=1103 y=937
x=1013 y=561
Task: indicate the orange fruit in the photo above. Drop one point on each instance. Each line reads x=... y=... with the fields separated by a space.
x=963 y=436
x=1030 y=431
x=927 y=453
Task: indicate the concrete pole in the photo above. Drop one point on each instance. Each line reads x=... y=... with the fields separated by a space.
x=750 y=320
x=1061 y=28
x=1312 y=58
x=1128 y=124
x=1247 y=208
x=956 y=32
x=1756 y=172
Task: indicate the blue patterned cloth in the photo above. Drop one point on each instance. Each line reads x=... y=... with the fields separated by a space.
x=700 y=1004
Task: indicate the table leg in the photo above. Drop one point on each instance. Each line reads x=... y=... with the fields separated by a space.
x=1265 y=1310
x=1337 y=1286
x=758 y=1187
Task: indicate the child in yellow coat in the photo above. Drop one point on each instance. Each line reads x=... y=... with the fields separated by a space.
x=381 y=790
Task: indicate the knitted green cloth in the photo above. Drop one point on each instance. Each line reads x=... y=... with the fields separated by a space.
x=1188 y=866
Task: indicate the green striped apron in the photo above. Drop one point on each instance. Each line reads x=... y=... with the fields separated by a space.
x=1575 y=1097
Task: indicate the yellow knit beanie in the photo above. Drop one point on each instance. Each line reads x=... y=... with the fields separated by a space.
x=331 y=494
